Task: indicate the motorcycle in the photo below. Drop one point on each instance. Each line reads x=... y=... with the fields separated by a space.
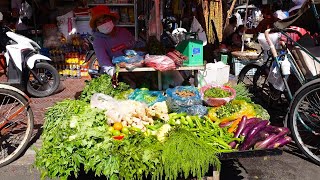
x=27 y=69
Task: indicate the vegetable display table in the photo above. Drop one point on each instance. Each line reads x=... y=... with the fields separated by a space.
x=244 y=154
x=195 y=69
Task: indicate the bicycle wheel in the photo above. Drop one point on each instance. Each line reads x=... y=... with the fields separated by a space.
x=304 y=120
x=255 y=79
x=16 y=125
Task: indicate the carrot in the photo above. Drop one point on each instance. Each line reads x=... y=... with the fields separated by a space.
x=234 y=125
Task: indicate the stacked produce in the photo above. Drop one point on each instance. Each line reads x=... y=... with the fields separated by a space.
x=112 y=136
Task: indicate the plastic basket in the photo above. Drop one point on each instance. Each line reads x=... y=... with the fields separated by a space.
x=240 y=64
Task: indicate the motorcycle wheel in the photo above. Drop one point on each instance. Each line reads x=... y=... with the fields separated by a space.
x=50 y=80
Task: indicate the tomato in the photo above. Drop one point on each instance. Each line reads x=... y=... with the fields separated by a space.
x=125 y=130
x=116 y=132
x=110 y=129
x=117 y=126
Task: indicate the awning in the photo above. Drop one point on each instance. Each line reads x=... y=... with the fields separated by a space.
x=304 y=18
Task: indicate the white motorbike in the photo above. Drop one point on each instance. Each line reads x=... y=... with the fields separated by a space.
x=27 y=69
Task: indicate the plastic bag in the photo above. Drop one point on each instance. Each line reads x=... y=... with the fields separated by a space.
x=275 y=77
x=196 y=27
x=177 y=57
x=146 y=96
x=217 y=101
x=160 y=63
x=67 y=24
x=127 y=59
x=175 y=101
x=194 y=110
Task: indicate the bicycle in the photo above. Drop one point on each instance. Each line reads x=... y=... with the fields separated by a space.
x=16 y=123
x=304 y=110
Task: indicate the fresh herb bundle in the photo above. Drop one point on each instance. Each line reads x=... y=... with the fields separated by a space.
x=103 y=84
x=185 y=154
x=242 y=93
x=216 y=93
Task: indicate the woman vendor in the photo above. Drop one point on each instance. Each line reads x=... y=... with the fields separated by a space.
x=109 y=40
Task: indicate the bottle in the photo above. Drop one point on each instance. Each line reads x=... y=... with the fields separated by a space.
x=78 y=71
x=285 y=66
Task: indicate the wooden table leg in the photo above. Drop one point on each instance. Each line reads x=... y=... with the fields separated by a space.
x=159 y=81
x=196 y=81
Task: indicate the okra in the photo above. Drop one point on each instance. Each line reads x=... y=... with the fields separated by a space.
x=189 y=120
x=197 y=121
x=183 y=120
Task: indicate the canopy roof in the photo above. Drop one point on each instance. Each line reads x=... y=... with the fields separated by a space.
x=304 y=18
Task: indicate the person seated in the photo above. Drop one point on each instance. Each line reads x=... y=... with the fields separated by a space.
x=230 y=28
x=110 y=41
x=234 y=41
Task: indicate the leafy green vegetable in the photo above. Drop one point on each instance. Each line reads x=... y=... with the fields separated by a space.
x=75 y=134
x=227 y=110
x=103 y=84
x=242 y=92
x=216 y=93
x=184 y=153
x=139 y=156
x=261 y=112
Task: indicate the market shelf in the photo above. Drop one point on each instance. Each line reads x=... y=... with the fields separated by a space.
x=130 y=4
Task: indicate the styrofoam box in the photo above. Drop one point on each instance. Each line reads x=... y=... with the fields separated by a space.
x=240 y=64
x=214 y=73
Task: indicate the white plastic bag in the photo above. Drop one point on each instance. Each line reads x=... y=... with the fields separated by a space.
x=275 y=78
x=67 y=24
x=196 y=27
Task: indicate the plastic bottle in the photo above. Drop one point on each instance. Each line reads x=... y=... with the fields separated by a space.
x=78 y=71
x=285 y=66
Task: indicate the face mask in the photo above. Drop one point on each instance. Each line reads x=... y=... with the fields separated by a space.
x=106 y=28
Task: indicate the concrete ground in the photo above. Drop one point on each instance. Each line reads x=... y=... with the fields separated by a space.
x=291 y=165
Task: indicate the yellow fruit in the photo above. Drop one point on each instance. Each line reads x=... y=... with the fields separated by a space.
x=117 y=126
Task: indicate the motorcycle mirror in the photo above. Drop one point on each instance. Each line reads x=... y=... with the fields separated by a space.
x=1 y=16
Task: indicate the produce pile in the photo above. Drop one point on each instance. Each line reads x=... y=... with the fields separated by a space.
x=106 y=133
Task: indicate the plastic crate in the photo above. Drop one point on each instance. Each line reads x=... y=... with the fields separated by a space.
x=240 y=64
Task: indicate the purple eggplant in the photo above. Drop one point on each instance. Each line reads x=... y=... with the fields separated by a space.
x=280 y=142
x=264 y=144
x=247 y=129
x=276 y=137
x=262 y=135
x=275 y=130
x=226 y=124
x=253 y=120
x=257 y=128
x=241 y=126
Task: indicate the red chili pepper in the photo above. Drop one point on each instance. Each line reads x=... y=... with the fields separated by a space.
x=118 y=137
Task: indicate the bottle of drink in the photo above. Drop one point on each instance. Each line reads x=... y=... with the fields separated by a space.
x=78 y=71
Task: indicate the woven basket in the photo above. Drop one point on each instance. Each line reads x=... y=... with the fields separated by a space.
x=245 y=55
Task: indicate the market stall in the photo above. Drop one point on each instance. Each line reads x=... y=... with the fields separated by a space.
x=128 y=133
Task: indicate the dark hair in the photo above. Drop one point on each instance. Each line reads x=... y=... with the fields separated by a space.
x=233 y=20
x=239 y=28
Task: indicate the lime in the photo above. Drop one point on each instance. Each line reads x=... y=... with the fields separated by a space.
x=125 y=130
x=116 y=132
x=110 y=129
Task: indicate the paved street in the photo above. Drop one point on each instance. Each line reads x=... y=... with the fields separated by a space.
x=291 y=165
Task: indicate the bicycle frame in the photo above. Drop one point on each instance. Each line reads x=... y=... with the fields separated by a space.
x=7 y=120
